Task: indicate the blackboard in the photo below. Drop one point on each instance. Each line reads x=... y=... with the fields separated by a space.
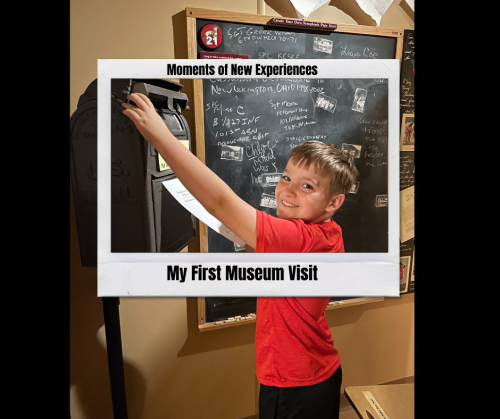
x=250 y=151
x=251 y=125
x=222 y=308
x=407 y=158
x=272 y=42
x=245 y=129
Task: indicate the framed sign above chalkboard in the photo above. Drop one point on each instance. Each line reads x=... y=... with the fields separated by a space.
x=304 y=111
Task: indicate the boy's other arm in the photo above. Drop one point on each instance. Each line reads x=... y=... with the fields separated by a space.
x=208 y=188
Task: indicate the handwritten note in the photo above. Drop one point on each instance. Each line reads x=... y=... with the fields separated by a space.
x=374 y=132
x=188 y=201
x=407 y=169
x=407 y=201
x=408 y=73
x=163 y=164
x=374 y=404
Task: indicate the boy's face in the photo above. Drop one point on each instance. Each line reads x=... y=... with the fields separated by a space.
x=304 y=194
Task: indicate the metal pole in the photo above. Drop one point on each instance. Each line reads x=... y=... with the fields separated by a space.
x=115 y=356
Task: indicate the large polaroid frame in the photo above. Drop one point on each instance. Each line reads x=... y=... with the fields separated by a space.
x=339 y=274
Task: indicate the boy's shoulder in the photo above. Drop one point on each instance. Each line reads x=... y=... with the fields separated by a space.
x=265 y=217
x=279 y=235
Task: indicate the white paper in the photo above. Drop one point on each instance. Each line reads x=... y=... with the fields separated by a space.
x=188 y=201
x=407 y=202
x=375 y=8
x=305 y=7
x=374 y=404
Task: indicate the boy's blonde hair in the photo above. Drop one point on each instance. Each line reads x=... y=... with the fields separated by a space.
x=329 y=162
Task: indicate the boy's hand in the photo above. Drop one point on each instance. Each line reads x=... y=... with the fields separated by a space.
x=145 y=118
x=208 y=188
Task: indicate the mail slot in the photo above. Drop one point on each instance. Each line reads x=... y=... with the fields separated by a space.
x=144 y=216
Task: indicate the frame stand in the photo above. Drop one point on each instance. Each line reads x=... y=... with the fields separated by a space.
x=115 y=356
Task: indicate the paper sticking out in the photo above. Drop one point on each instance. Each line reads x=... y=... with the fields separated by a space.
x=305 y=7
x=375 y=8
x=188 y=201
x=407 y=202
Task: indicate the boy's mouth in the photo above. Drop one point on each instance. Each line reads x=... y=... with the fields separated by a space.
x=287 y=204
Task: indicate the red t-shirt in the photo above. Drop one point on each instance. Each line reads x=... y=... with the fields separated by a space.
x=293 y=342
x=278 y=235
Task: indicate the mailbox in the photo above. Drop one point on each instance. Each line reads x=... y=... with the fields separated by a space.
x=144 y=216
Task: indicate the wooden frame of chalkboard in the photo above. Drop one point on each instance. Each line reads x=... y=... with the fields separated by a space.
x=192 y=14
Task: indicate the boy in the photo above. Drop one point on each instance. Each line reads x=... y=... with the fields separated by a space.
x=296 y=362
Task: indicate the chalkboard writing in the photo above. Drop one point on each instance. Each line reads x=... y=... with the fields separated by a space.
x=251 y=125
x=407 y=96
x=407 y=158
x=270 y=42
x=407 y=169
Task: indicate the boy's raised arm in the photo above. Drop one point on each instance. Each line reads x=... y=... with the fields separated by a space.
x=208 y=188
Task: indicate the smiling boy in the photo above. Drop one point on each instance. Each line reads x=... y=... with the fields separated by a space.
x=296 y=362
x=313 y=186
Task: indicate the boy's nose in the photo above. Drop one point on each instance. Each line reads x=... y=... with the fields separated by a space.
x=290 y=190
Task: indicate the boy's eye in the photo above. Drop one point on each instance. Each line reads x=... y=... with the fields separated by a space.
x=285 y=178
x=307 y=186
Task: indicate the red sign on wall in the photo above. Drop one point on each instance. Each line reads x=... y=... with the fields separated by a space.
x=211 y=36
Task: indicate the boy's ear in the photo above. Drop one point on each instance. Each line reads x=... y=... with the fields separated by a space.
x=335 y=203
